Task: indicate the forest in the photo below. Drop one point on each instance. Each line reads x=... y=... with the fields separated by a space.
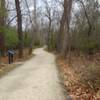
x=68 y=28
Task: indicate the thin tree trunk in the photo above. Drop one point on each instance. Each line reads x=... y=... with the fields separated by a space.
x=35 y=22
x=49 y=33
x=19 y=25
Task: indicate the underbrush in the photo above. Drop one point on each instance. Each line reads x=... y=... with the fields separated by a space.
x=91 y=77
x=81 y=76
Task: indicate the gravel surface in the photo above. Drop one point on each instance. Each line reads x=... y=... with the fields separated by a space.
x=36 y=79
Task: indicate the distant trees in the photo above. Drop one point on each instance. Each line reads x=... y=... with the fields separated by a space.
x=90 y=19
x=85 y=33
x=79 y=22
x=48 y=14
x=79 y=27
x=67 y=24
x=52 y=15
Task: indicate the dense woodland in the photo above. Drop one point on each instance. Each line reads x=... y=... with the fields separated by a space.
x=62 y=25
x=69 y=27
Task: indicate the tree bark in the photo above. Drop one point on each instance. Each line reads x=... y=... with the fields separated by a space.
x=49 y=32
x=60 y=33
x=19 y=26
x=63 y=35
x=67 y=38
x=2 y=13
x=2 y=25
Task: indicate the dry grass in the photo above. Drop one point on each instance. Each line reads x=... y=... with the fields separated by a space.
x=82 y=77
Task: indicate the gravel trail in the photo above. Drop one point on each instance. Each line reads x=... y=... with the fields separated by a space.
x=36 y=79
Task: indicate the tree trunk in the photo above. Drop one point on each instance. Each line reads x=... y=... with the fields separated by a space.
x=2 y=13
x=19 y=26
x=35 y=33
x=67 y=40
x=2 y=25
x=49 y=33
x=60 y=33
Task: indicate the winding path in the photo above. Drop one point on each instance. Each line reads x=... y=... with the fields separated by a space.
x=36 y=79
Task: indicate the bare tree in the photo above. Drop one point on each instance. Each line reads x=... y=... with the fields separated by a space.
x=87 y=18
x=19 y=25
x=67 y=40
x=35 y=24
x=2 y=24
x=2 y=13
x=49 y=16
x=61 y=30
x=51 y=13
x=63 y=39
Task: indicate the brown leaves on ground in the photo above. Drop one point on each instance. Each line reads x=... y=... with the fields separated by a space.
x=71 y=77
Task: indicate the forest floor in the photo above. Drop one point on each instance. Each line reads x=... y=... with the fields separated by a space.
x=36 y=79
x=81 y=76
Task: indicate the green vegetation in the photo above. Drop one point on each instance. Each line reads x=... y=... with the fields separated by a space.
x=52 y=42
x=27 y=40
x=11 y=37
x=83 y=43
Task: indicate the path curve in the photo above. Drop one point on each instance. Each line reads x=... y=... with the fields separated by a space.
x=37 y=79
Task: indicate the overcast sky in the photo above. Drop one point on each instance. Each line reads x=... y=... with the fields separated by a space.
x=24 y=8
x=11 y=5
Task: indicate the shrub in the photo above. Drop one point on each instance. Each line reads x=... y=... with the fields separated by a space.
x=11 y=37
x=84 y=43
x=52 y=42
x=37 y=43
x=27 y=40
